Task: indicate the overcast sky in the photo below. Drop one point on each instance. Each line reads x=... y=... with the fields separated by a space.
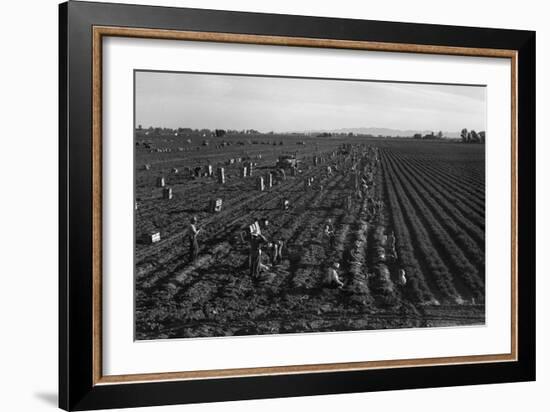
x=282 y=104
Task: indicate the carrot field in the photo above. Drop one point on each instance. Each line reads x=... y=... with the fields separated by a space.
x=430 y=195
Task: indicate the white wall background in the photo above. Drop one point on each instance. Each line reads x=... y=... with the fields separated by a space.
x=28 y=210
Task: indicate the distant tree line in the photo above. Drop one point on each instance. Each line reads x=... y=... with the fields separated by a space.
x=431 y=135
x=472 y=136
x=204 y=132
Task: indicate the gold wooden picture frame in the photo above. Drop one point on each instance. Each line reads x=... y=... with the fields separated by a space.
x=100 y=32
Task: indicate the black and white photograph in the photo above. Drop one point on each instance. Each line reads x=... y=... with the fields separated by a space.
x=274 y=205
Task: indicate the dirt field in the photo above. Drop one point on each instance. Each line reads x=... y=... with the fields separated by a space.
x=431 y=194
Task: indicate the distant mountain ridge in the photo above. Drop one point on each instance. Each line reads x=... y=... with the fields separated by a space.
x=376 y=131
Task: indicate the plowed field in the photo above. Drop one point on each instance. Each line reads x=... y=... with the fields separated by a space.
x=431 y=196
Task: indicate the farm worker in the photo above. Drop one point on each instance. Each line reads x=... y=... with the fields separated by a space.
x=358 y=244
x=372 y=207
x=256 y=242
x=274 y=247
x=278 y=251
x=381 y=254
x=391 y=245
x=285 y=204
x=349 y=204
x=193 y=243
x=391 y=240
x=274 y=250
x=329 y=233
x=401 y=279
x=246 y=236
x=332 y=279
x=271 y=251
x=264 y=226
x=365 y=188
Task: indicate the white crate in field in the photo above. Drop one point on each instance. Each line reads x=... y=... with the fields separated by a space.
x=285 y=204
x=221 y=175
x=216 y=205
x=151 y=237
x=167 y=193
x=260 y=183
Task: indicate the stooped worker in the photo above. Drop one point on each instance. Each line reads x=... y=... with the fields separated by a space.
x=193 y=242
x=276 y=252
x=245 y=236
x=274 y=245
x=264 y=226
x=329 y=233
x=391 y=246
x=401 y=277
x=332 y=279
x=256 y=242
x=270 y=251
x=285 y=204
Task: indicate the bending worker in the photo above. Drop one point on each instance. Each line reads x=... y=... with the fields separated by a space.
x=193 y=242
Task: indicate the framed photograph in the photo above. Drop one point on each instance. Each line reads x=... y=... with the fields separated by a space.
x=256 y=205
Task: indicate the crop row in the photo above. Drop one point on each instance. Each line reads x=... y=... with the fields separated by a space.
x=429 y=256
x=442 y=241
x=418 y=286
x=460 y=173
x=471 y=191
x=437 y=237
x=470 y=205
x=468 y=237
